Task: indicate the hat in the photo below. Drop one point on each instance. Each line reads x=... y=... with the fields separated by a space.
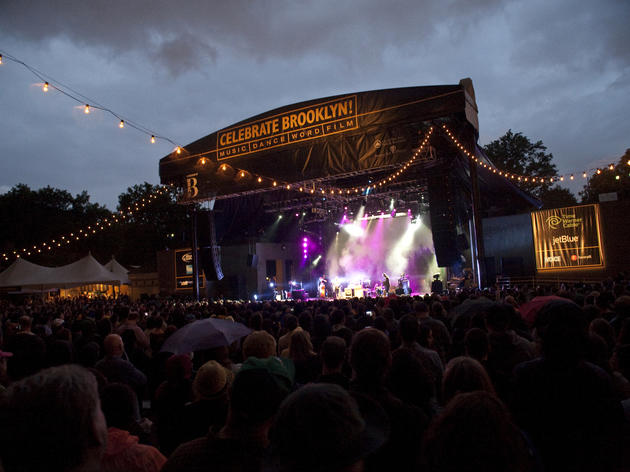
x=212 y=380
x=6 y=354
x=436 y=276
x=320 y=427
x=281 y=368
x=259 y=387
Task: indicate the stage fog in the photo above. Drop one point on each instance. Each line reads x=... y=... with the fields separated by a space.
x=365 y=248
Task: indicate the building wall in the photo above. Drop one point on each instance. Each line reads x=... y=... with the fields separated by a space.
x=509 y=246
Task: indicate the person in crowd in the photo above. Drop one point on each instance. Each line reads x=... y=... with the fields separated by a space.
x=290 y=324
x=4 y=380
x=333 y=357
x=566 y=404
x=259 y=344
x=130 y=322
x=210 y=405
x=306 y=361
x=169 y=401
x=410 y=379
x=476 y=344
x=506 y=349
x=320 y=427
x=29 y=355
x=441 y=335
x=465 y=374
x=124 y=453
x=370 y=358
x=52 y=420
x=409 y=329
x=475 y=433
x=118 y=369
x=240 y=445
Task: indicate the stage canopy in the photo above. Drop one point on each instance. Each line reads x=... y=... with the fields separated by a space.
x=321 y=159
x=24 y=274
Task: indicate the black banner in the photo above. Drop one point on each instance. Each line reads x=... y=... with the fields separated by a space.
x=567 y=238
x=315 y=139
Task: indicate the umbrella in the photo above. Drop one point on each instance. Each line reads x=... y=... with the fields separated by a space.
x=470 y=307
x=529 y=311
x=204 y=334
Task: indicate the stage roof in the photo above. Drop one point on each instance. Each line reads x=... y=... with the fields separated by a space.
x=317 y=143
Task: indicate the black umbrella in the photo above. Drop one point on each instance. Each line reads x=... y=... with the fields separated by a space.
x=204 y=334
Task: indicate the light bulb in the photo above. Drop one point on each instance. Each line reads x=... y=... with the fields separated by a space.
x=0 y=58
x=45 y=87
x=178 y=150
x=121 y=124
x=152 y=139
x=86 y=110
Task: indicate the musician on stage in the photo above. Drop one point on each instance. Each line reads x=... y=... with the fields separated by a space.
x=385 y=284
x=437 y=286
x=322 y=286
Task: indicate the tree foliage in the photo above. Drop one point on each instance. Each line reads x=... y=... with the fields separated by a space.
x=607 y=181
x=516 y=154
x=31 y=217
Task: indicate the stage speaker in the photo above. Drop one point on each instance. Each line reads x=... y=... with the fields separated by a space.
x=462 y=242
x=209 y=251
x=271 y=268
x=442 y=215
x=252 y=260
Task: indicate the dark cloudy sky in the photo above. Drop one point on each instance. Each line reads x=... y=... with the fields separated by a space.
x=558 y=71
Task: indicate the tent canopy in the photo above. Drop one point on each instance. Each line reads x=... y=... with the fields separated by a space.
x=87 y=270
x=120 y=271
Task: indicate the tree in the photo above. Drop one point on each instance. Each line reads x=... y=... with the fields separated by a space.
x=516 y=154
x=557 y=197
x=31 y=217
x=159 y=224
x=616 y=180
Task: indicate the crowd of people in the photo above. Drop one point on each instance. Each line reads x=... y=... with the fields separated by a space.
x=445 y=382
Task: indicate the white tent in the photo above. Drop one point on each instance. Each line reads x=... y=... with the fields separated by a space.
x=114 y=266
x=85 y=271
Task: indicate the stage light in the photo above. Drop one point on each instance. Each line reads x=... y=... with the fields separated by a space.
x=305 y=240
x=279 y=217
x=617 y=177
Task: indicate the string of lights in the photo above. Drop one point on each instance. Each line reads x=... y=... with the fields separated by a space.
x=49 y=83
x=309 y=187
x=536 y=179
x=65 y=240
